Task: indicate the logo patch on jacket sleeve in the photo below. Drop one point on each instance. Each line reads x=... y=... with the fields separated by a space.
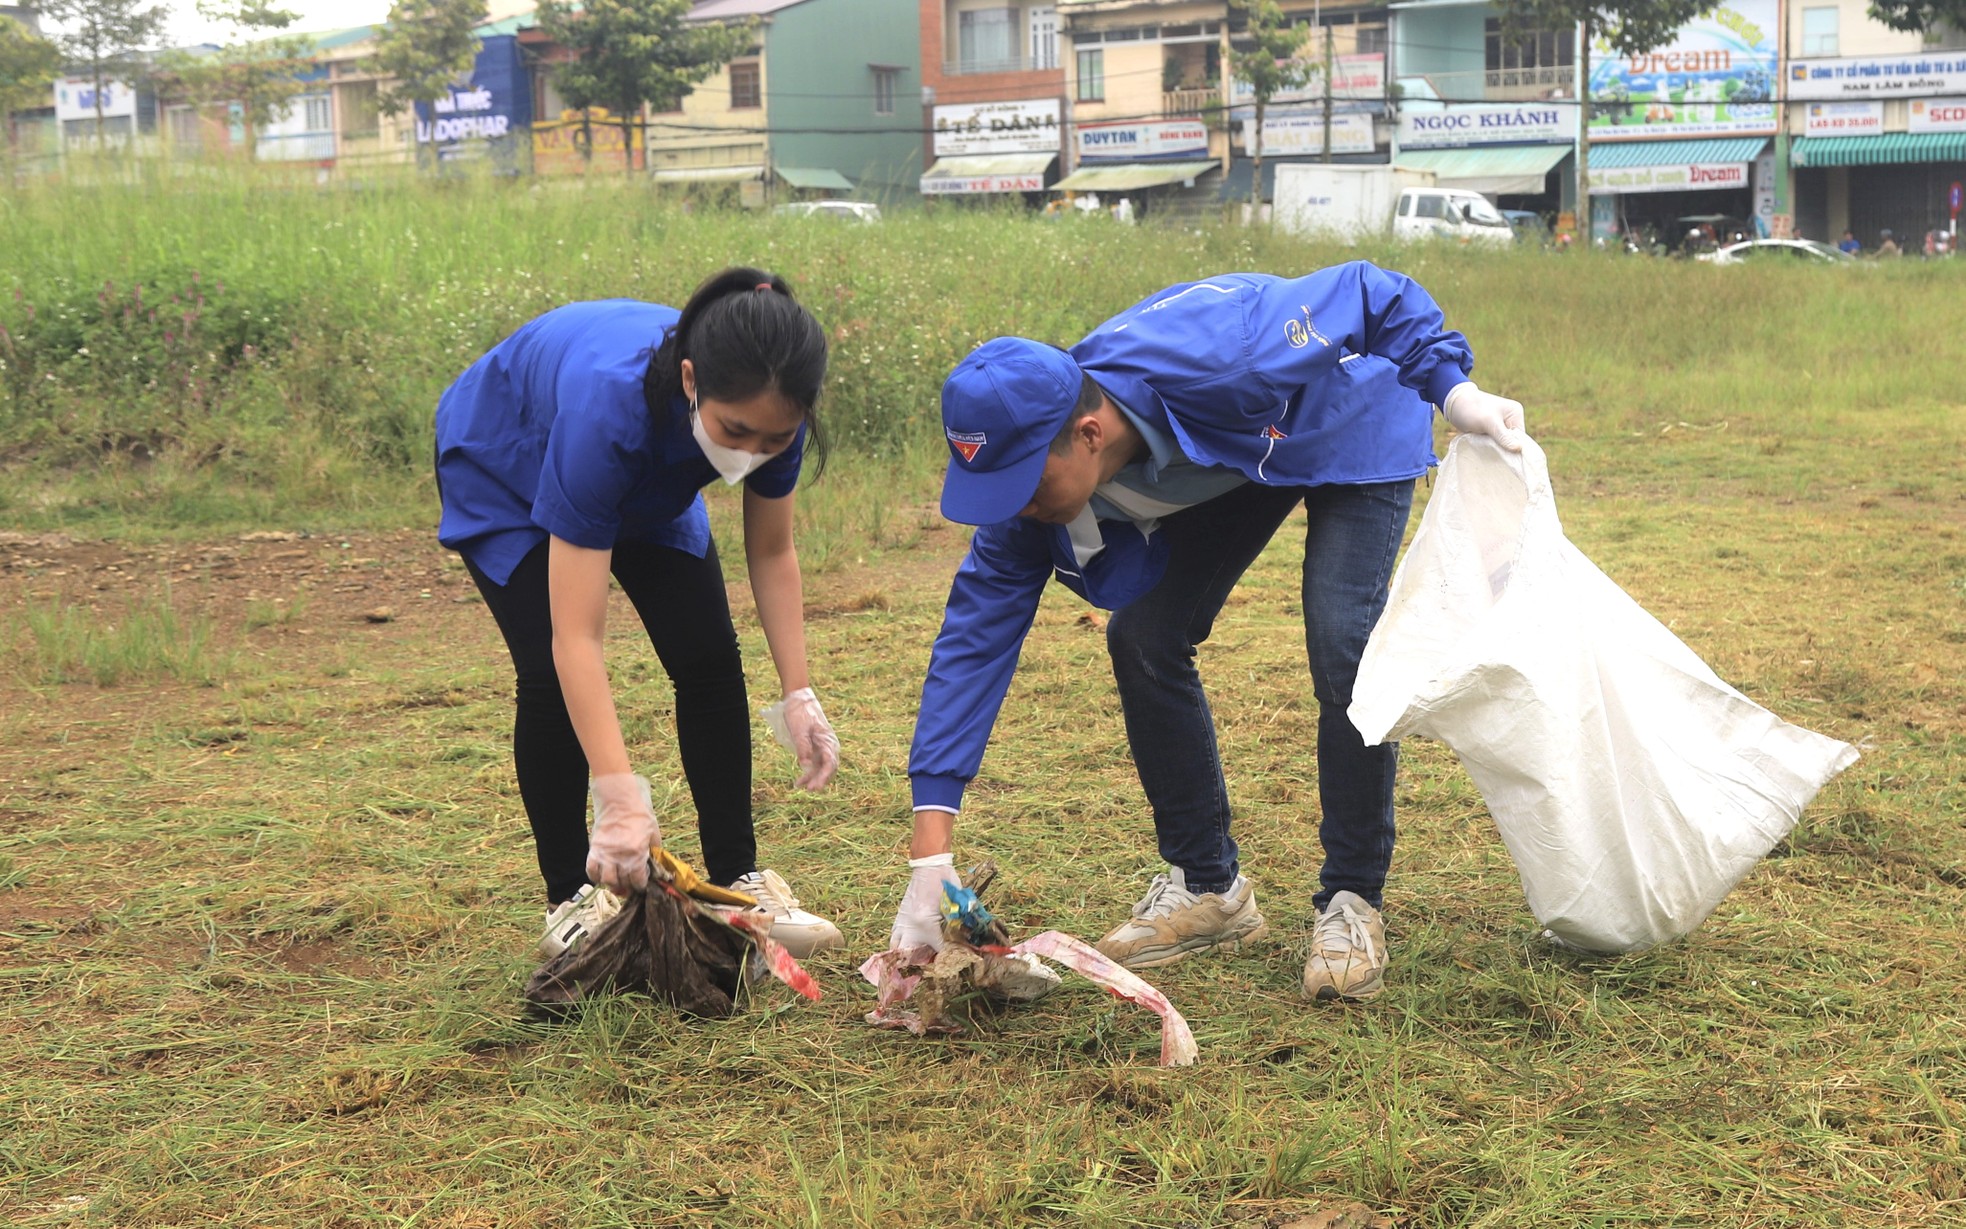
x=967 y=443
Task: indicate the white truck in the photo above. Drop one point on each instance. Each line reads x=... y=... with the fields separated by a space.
x=1351 y=203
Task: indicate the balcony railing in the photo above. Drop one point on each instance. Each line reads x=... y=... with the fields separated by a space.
x=1506 y=84
x=1179 y=103
x=1013 y=64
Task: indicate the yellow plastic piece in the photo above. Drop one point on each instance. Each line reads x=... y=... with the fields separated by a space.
x=688 y=881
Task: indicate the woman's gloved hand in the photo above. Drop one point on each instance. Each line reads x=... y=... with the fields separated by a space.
x=624 y=832
x=800 y=725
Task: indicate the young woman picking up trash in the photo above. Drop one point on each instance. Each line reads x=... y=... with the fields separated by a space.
x=576 y=450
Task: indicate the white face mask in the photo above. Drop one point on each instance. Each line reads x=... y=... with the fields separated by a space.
x=732 y=464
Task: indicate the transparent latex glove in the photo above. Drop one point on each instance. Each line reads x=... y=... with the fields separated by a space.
x=624 y=832
x=919 y=919
x=800 y=725
x=1473 y=412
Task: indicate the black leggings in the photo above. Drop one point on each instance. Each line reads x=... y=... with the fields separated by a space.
x=682 y=603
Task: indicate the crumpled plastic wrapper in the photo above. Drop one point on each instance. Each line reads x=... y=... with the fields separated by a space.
x=672 y=948
x=915 y=986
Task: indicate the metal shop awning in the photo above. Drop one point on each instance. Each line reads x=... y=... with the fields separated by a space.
x=706 y=174
x=1871 y=151
x=978 y=173
x=1127 y=176
x=817 y=177
x=1615 y=155
x=1517 y=170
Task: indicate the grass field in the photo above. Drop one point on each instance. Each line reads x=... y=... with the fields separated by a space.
x=267 y=897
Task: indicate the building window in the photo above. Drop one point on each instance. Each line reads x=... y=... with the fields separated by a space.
x=1092 y=76
x=984 y=42
x=885 y=79
x=743 y=84
x=317 y=115
x=1819 y=31
x=361 y=116
x=1528 y=57
x=1044 y=38
x=1371 y=40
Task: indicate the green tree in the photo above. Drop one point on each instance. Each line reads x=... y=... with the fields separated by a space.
x=427 y=46
x=105 y=38
x=1628 y=27
x=1264 y=57
x=28 y=64
x=259 y=68
x=1921 y=15
x=628 y=52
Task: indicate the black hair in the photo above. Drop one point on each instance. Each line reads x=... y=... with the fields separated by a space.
x=1091 y=396
x=744 y=333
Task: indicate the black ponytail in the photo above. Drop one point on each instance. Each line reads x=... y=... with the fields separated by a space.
x=744 y=334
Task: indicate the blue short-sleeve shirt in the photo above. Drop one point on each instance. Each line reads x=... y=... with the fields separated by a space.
x=550 y=433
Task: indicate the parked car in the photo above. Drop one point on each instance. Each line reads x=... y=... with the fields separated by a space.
x=848 y=211
x=1784 y=250
x=1528 y=225
x=1449 y=213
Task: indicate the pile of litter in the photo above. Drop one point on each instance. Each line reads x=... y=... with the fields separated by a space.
x=673 y=944
x=917 y=986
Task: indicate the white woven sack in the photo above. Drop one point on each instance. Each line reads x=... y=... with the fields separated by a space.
x=1632 y=786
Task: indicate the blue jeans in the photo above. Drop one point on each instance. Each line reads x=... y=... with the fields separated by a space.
x=1350 y=545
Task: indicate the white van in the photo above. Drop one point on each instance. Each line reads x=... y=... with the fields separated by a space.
x=1450 y=213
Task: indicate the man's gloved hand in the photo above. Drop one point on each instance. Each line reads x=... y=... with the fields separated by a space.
x=800 y=725
x=1473 y=412
x=919 y=919
x=624 y=832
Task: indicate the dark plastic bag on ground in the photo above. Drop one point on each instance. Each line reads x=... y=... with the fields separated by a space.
x=667 y=946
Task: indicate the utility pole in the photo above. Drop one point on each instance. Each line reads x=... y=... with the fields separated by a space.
x=1327 y=93
x=1589 y=226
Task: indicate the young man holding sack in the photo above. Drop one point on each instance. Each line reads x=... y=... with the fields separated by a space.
x=1146 y=469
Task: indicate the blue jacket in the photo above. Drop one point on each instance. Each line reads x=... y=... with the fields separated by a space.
x=1311 y=381
x=550 y=433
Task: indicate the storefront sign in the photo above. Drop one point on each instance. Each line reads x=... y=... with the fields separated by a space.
x=1027 y=126
x=1355 y=80
x=1715 y=75
x=1683 y=178
x=1937 y=115
x=495 y=104
x=1159 y=140
x=1844 y=119
x=1488 y=124
x=575 y=144
x=976 y=184
x=75 y=98
x=1286 y=136
x=1878 y=76
x=1764 y=194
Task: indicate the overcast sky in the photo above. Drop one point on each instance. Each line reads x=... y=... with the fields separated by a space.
x=187 y=27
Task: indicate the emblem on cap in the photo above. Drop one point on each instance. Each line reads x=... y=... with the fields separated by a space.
x=967 y=443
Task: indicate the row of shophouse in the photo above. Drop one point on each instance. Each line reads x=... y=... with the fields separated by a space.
x=1797 y=115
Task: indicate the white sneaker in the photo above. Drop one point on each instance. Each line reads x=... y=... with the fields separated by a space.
x=795 y=930
x=573 y=919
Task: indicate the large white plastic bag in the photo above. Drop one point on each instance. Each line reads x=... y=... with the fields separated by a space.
x=1633 y=787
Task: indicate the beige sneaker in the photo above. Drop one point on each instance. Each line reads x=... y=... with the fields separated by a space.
x=1348 y=952
x=795 y=930
x=1170 y=922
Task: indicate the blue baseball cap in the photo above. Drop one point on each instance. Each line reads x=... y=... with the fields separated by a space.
x=1001 y=408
